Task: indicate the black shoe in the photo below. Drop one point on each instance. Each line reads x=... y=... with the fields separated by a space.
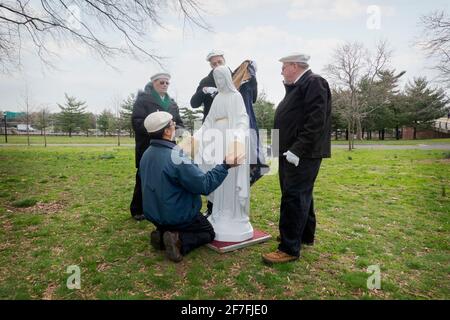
x=139 y=217
x=156 y=240
x=173 y=246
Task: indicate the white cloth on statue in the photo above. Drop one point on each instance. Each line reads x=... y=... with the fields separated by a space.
x=227 y=121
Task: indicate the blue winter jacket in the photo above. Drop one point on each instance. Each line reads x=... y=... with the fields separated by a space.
x=172 y=184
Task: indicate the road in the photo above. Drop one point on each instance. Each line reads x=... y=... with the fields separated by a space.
x=336 y=146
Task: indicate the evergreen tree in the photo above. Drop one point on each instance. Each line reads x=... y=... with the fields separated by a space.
x=379 y=99
x=189 y=117
x=88 y=123
x=105 y=122
x=424 y=104
x=264 y=112
x=71 y=116
x=125 y=113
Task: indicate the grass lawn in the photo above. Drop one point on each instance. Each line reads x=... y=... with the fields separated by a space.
x=63 y=206
x=396 y=142
x=14 y=139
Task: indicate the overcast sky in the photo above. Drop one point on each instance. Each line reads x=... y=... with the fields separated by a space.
x=261 y=30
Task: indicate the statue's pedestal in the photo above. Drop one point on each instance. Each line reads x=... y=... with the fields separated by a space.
x=223 y=246
x=231 y=231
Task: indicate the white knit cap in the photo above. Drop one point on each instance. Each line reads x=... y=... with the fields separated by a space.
x=160 y=75
x=296 y=57
x=214 y=53
x=155 y=121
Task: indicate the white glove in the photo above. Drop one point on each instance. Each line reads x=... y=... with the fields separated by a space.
x=210 y=90
x=291 y=158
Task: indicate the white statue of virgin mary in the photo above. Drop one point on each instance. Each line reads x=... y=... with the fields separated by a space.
x=224 y=131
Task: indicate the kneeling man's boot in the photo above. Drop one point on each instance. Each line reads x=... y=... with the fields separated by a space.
x=156 y=240
x=173 y=246
x=278 y=257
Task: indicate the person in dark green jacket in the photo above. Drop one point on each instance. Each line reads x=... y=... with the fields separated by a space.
x=171 y=189
x=153 y=98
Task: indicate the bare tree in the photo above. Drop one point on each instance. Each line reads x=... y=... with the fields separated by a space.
x=27 y=110
x=40 y=22
x=436 y=41
x=351 y=64
x=43 y=122
x=116 y=103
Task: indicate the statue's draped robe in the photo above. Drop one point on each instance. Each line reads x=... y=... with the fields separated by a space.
x=227 y=121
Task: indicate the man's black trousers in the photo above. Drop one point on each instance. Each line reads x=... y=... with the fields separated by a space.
x=297 y=217
x=136 y=203
x=197 y=233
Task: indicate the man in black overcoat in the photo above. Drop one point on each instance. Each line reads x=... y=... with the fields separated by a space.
x=303 y=119
x=153 y=98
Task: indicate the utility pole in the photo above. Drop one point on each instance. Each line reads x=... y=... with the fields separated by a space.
x=6 y=131
x=44 y=124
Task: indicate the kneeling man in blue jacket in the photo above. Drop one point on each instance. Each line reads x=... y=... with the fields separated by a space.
x=171 y=189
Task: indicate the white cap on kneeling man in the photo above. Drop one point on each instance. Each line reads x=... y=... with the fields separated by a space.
x=157 y=120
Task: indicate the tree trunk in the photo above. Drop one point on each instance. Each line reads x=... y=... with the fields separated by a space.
x=352 y=137
x=348 y=137
x=414 y=133
x=397 y=133
x=358 y=129
x=346 y=134
x=28 y=134
x=382 y=134
x=336 y=132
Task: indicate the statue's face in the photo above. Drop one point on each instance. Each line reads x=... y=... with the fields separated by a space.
x=220 y=82
x=216 y=61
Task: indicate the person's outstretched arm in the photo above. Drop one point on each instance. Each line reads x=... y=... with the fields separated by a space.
x=193 y=179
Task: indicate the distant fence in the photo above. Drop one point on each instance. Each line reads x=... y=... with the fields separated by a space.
x=15 y=132
x=442 y=125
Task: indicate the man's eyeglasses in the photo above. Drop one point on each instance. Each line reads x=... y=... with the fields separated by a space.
x=287 y=65
x=284 y=66
x=216 y=64
x=164 y=82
